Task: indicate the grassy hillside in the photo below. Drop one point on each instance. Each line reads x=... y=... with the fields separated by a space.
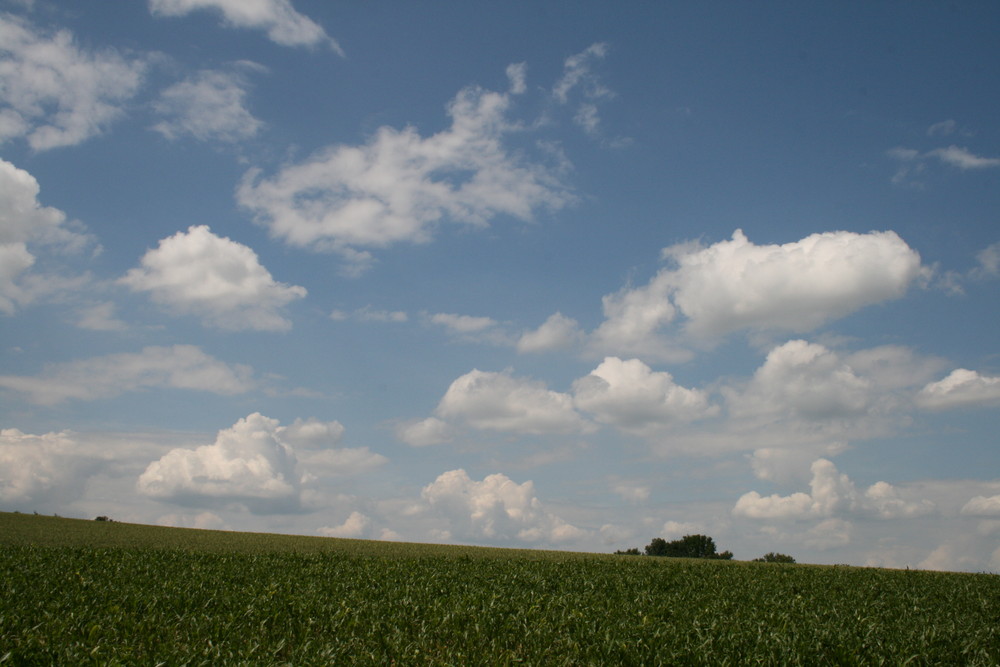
x=80 y=592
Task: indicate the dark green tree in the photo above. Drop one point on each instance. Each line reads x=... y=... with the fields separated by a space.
x=658 y=547
x=634 y=551
x=773 y=557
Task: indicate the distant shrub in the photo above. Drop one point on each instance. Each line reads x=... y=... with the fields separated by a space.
x=102 y=518
x=773 y=557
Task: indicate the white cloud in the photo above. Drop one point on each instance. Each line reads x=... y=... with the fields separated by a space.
x=55 y=94
x=370 y=314
x=500 y=402
x=283 y=24
x=557 y=332
x=831 y=494
x=912 y=162
x=829 y=534
x=735 y=284
x=804 y=380
x=399 y=186
x=516 y=75
x=40 y=470
x=944 y=128
x=631 y=491
x=961 y=388
x=177 y=367
x=982 y=506
x=497 y=509
x=356 y=526
x=312 y=433
x=247 y=464
x=989 y=261
x=430 y=431
x=215 y=278
x=209 y=105
x=630 y=395
x=23 y=222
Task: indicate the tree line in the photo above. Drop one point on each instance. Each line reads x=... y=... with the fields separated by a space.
x=697 y=546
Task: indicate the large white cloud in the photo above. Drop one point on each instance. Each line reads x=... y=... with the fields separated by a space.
x=283 y=24
x=736 y=284
x=247 y=463
x=832 y=494
x=804 y=380
x=23 y=222
x=988 y=506
x=40 y=471
x=215 y=278
x=961 y=388
x=496 y=510
x=177 y=367
x=55 y=93
x=631 y=396
x=259 y=464
x=209 y=105
x=399 y=186
x=501 y=402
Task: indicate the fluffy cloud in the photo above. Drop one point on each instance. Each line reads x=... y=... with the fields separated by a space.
x=961 y=388
x=257 y=464
x=631 y=396
x=209 y=105
x=356 y=526
x=283 y=24
x=496 y=510
x=177 y=367
x=23 y=222
x=831 y=494
x=53 y=92
x=247 y=464
x=500 y=402
x=399 y=186
x=215 y=278
x=557 y=332
x=806 y=381
x=735 y=284
x=39 y=470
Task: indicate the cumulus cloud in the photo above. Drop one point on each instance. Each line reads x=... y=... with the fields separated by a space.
x=630 y=395
x=40 y=470
x=356 y=526
x=736 y=284
x=176 y=367
x=557 y=332
x=283 y=24
x=210 y=105
x=25 y=222
x=804 y=380
x=496 y=510
x=832 y=494
x=54 y=93
x=501 y=402
x=399 y=186
x=961 y=388
x=215 y=278
x=312 y=433
x=247 y=464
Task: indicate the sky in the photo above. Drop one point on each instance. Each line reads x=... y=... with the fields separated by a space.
x=556 y=275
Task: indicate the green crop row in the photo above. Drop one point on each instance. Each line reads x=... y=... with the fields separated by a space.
x=145 y=605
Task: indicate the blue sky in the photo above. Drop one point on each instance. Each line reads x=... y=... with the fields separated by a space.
x=553 y=275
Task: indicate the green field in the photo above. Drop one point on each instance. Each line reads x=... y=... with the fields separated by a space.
x=87 y=592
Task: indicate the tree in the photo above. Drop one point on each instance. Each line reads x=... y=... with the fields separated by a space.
x=689 y=546
x=773 y=557
x=634 y=551
x=658 y=547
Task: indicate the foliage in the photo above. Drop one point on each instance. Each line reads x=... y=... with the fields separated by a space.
x=773 y=557
x=235 y=598
x=634 y=551
x=689 y=546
